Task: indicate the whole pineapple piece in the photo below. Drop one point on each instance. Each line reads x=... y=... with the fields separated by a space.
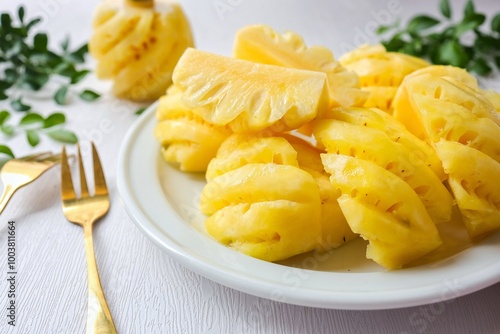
x=137 y=45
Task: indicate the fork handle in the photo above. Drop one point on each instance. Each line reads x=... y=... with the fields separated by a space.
x=8 y=191
x=98 y=315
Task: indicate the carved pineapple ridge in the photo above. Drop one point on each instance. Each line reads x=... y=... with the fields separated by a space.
x=137 y=45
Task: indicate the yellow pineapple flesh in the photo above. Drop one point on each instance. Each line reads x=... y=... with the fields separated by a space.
x=249 y=97
x=138 y=46
x=380 y=120
x=447 y=88
x=186 y=139
x=383 y=209
x=474 y=180
x=452 y=122
x=374 y=145
x=241 y=149
x=262 y=44
x=267 y=211
x=380 y=72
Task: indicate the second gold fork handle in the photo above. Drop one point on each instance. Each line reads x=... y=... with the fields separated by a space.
x=99 y=320
x=8 y=191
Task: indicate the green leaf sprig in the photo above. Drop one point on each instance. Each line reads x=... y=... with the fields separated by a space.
x=422 y=38
x=28 y=63
x=34 y=125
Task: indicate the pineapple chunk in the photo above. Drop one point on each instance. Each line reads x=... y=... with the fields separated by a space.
x=493 y=97
x=240 y=149
x=138 y=47
x=380 y=72
x=473 y=178
x=249 y=97
x=186 y=139
x=452 y=122
x=449 y=88
x=267 y=211
x=375 y=146
x=377 y=119
x=262 y=44
x=335 y=230
x=383 y=209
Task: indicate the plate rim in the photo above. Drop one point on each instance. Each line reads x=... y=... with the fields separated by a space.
x=363 y=300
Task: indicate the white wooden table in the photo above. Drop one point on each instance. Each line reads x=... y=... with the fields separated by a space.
x=146 y=290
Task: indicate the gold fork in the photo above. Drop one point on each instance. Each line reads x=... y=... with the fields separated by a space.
x=84 y=211
x=17 y=173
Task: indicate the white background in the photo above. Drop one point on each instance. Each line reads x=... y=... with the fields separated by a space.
x=148 y=292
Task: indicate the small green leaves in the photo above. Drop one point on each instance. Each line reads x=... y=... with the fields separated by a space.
x=6 y=151
x=423 y=37
x=31 y=118
x=40 y=42
x=60 y=95
x=54 y=119
x=421 y=22
x=32 y=137
x=451 y=53
x=18 y=105
x=89 y=95
x=469 y=8
x=63 y=136
x=4 y=116
x=479 y=66
x=444 y=6
x=495 y=23
x=28 y=62
x=140 y=111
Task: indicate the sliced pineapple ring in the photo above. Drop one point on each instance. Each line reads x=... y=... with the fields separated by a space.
x=249 y=97
x=267 y=211
x=473 y=178
x=383 y=209
x=186 y=139
x=375 y=146
x=451 y=122
x=262 y=44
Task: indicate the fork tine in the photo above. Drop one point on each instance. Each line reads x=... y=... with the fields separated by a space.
x=83 y=179
x=67 y=189
x=99 y=180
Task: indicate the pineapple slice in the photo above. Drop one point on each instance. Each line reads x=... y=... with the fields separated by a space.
x=186 y=139
x=452 y=122
x=493 y=97
x=454 y=87
x=375 y=146
x=335 y=230
x=383 y=209
x=267 y=211
x=380 y=72
x=249 y=97
x=473 y=178
x=262 y=44
x=380 y=120
x=137 y=44
x=241 y=149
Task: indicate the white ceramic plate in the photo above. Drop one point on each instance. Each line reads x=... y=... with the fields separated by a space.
x=163 y=202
